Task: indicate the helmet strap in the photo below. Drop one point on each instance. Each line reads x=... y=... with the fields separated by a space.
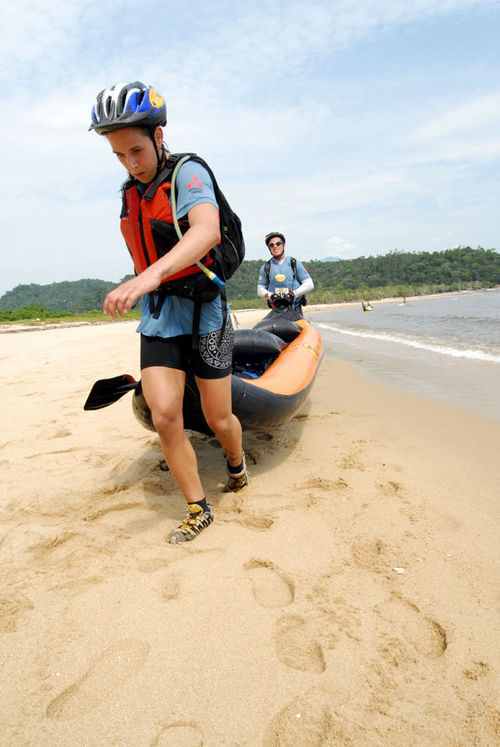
x=161 y=157
x=160 y=153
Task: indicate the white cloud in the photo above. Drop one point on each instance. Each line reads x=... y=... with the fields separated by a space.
x=475 y=115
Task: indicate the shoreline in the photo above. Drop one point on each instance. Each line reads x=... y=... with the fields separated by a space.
x=13 y=327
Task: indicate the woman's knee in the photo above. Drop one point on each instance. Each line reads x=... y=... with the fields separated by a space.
x=167 y=420
x=221 y=425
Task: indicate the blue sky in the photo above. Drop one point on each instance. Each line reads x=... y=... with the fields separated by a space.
x=355 y=127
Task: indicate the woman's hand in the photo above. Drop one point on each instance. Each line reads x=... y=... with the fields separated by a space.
x=121 y=299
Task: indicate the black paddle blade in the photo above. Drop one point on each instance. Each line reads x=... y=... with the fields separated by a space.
x=106 y=391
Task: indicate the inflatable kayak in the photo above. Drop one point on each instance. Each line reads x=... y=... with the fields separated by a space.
x=274 y=367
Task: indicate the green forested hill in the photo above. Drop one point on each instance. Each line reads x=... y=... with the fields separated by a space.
x=73 y=297
x=397 y=273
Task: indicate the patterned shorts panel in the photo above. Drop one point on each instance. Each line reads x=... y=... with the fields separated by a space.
x=217 y=352
x=212 y=360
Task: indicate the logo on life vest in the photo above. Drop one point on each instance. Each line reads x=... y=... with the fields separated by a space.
x=195 y=183
x=155 y=99
x=279 y=277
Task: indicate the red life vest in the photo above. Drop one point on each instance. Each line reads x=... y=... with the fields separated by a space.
x=147 y=224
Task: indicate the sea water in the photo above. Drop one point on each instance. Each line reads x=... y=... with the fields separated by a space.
x=445 y=348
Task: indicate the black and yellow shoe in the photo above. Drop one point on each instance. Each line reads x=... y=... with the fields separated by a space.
x=195 y=522
x=237 y=480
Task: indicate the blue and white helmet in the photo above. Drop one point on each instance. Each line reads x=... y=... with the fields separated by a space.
x=128 y=105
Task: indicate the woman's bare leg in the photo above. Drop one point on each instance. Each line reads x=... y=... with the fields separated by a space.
x=215 y=395
x=163 y=390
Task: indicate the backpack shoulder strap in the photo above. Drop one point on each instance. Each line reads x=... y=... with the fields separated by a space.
x=183 y=157
x=165 y=174
x=293 y=265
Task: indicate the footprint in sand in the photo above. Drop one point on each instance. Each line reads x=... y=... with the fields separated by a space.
x=252 y=521
x=295 y=646
x=116 y=664
x=171 y=588
x=320 y=488
x=178 y=735
x=271 y=587
x=232 y=508
x=408 y=630
x=371 y=555
x=351 y=461
x=11 y=609
x=305 y=721
x=477 y=670
x=391 y=488
x=319 y=484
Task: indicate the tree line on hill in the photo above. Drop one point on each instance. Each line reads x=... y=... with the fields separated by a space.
x=395 y=274
x=68 y=297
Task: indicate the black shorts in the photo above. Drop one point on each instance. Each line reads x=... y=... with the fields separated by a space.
x=212 y=360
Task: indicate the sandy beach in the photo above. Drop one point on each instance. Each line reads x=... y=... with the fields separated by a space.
x=349 y=596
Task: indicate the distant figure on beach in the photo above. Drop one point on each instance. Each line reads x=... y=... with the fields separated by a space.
x=180 y=333
x=283 y=276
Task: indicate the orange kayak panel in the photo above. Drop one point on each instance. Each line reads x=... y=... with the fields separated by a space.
x=296 y=367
